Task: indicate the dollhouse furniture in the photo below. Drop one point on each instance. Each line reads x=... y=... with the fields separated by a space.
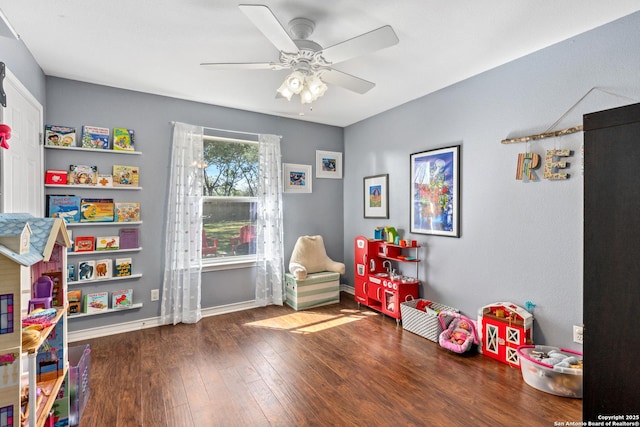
x=29 y=248
x=504 y=327
x=42 y=293
x=209 y=245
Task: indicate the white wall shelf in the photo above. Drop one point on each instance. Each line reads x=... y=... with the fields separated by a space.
x=108 y=310
x=108 y=279
x=93 y=150
x=91 y=187
x=120 y=223
x=110 y=251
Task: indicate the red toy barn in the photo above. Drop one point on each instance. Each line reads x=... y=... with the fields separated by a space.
x=505 y=326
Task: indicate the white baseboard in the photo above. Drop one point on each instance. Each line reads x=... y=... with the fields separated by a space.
x=348 y=289
x=152 y=322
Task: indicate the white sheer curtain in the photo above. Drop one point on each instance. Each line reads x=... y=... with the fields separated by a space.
x=269 y=245
x=183 y=234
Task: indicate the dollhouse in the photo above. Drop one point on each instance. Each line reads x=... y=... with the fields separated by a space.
x=504 y=327
x=30 y=248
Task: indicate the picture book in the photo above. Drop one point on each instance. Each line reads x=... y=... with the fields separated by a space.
x=105 y=181
x=75 y=301
x=95 y=137
x=86 y=270
x=63 y=206
x=125 y=176
x=96 y=302
x=129 y=238
x=123 y=267
x=123 y=139
x=84 y=244
x=127 y=211
x=57 y=296
x=96 y=210
x=104 y=268
x=71 y=272
x=82 y=175
x=60 y=136
x=122 y=298
x=107 y=243
x=55 y=177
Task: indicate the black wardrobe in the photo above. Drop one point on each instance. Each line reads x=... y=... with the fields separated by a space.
x=612 y=264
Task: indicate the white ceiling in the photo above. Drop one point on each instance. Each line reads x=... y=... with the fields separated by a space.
x=156 y=46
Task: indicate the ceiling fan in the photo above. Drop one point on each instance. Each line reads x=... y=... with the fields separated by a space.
x=312 y=64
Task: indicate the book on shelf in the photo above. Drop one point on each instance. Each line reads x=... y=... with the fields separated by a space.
x=123 y=139
x=71 y=272
x=123 y=267
x=57 y=295
x=60 y=136
x=96 y=302
x=85 y=244
x=56 y=177
x=86 y=270
x=127 y=211
x=122 y=298
x=104 y=181
x=96 y=210
x=74 y=297
x=82 y=175
x=129 y=238
x=65 y=207
x=125 y=176
x=104 y=268
x=107 y=243
x=95 y=137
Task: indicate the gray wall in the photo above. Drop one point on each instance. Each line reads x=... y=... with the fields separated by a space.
x=21 y=63
x=73 y=103
x=520 y=241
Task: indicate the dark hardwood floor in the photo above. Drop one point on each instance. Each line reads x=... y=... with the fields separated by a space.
x=336 y=365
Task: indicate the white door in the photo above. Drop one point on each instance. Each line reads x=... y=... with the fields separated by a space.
x=21 y=166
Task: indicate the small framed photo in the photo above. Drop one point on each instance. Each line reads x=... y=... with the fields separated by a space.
x=376 y=196
x=328 y=164
x=435 y=192
x=296 y=178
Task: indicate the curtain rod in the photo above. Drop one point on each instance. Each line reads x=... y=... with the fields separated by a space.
x=226 y=130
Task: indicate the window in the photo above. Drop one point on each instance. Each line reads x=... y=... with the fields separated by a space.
x=229 y=208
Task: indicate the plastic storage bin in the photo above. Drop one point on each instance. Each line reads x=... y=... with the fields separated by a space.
x=79 y=389
x=561 y=379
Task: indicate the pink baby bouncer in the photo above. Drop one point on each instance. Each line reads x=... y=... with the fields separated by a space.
x=461 y=333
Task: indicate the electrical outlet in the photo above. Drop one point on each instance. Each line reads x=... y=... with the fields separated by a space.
x=155 y=294
x=577 y=334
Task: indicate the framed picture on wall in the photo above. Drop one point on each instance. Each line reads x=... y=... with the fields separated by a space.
x=297 y=178
x=435 y=192
x=328 y=164
x=376 y=196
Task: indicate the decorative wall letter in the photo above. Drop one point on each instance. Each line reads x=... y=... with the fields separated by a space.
x=527 y=162
x=552 y=164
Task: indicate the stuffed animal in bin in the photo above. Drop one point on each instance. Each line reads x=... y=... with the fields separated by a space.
x=310 y=256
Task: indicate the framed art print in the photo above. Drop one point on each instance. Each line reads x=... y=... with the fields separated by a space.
x=328 y=164
x=435 y=192
x=376 y=196
x=296 y=178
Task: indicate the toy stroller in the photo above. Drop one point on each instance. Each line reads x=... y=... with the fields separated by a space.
x=461 y=333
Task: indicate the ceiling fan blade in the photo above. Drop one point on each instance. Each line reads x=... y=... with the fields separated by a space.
x=347 y=81
x=361 y=45
x=243 y=65
x=266 y=21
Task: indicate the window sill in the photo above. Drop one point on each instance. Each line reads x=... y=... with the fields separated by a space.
x=228 y=264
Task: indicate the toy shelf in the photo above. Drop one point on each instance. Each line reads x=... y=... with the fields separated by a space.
x=108 y=279
x=105 y=311
x=93 y=150
x=88 y=224
x=91 y=187
x=111 y=251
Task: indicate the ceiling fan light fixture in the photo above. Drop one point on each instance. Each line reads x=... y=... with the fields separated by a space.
x=295 y=82
x=284 y=91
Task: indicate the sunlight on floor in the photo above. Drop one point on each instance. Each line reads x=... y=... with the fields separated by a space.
x=306 y=322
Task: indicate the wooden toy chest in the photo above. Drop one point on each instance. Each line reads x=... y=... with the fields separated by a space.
x=317 y=290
